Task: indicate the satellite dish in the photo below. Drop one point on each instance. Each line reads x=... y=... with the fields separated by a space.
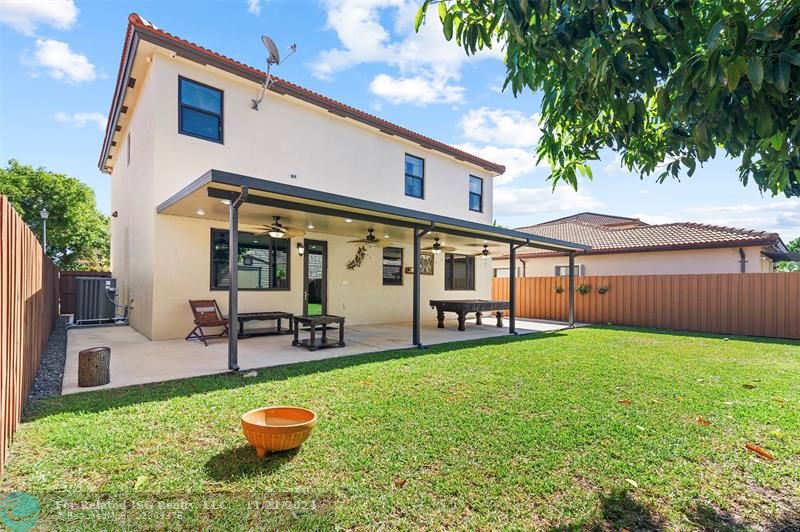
x=273 y=59
x=274 y=54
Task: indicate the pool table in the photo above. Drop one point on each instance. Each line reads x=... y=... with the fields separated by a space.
x=462 y=307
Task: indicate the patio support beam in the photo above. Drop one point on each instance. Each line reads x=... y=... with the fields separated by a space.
x=512 y=287
x=233 y=279
x=415 y=312
x=572 y=289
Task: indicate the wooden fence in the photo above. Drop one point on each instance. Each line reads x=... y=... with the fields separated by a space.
x=66 y=288
x=28 y=312
x=749 y=304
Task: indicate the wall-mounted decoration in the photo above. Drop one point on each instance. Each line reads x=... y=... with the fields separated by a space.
x=356 y=261
x=425 y=265
x=558 y=289
x=583 y=288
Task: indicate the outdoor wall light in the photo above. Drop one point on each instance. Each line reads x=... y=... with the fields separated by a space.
x=300 y=249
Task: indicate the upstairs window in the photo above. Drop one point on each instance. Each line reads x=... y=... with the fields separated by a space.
x=475 y=194
x=263 y=261
x=392 y=266
x=415 y=177
x=459 y=272
x=200 y=110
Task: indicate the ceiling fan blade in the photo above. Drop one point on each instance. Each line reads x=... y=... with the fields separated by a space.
x=293 y=232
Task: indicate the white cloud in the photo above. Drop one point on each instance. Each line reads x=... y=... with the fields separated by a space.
x=518 y=161
x=61 y=62
x=81 y=119
x=513 y=201
x=254 y=6
x=26 y=15
x=504 y=127
x=417 y=90
x=776 y=216
x=426 y=63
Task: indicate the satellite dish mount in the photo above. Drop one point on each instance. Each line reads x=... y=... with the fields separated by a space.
x=274 y=58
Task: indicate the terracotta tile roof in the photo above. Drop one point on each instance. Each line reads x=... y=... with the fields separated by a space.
x=614 y=234
x=135 y=22
x=596 y=219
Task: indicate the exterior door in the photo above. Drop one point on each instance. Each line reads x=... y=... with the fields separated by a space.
x=315 y=277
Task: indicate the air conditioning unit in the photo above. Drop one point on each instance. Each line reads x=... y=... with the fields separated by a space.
x=95 y=300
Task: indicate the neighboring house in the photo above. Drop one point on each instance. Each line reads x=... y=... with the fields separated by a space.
x=628 y=246
x=184 y=143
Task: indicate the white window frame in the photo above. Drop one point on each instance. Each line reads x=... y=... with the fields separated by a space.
x=578 y=269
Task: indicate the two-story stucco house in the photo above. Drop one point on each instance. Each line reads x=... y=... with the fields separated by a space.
x=195 y=168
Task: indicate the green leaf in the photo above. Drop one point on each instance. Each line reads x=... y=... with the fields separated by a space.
x=442 y=11
x=713 y=35
x=782 y=74
x=700 y=135
x=421 y=15
x=741 y=37
x=447 y=26
x=649 y=19
x=755 y=72
x=733 y=74
x=766 y=35
x=791 y=56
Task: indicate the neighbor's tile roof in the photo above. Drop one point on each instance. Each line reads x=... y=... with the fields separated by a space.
x=135 y=22
x=614 y=234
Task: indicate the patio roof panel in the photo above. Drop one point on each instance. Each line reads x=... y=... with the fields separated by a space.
x=216 y=185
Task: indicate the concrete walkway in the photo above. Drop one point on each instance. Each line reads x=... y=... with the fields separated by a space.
x=137 y=360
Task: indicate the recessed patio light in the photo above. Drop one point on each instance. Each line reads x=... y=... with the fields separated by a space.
x=225 y=201
x=201 y=212
x=386 y=235
x=348 y=220
x=310 y=226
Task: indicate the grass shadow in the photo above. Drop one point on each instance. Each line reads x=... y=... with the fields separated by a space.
x=621 y=512
x=241 y=462
x=102 y=400
x=693 y=334
x=707 y=517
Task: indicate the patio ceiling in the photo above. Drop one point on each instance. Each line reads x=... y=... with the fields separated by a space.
x=328 y=213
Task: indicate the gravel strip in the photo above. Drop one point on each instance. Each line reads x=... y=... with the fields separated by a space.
x=50 y=375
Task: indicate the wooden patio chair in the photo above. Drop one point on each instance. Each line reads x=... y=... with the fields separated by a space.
x=207 y=314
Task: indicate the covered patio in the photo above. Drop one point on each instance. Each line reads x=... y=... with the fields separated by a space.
x=137 y=360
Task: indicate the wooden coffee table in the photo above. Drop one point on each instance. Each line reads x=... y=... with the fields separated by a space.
x=264 y=316
x=312 y=322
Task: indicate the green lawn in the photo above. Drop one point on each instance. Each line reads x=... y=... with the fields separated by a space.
x=589 y=428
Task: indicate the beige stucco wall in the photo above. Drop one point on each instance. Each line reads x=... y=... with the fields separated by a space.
x=358 y=294
x=719 y=260
x=161 y=261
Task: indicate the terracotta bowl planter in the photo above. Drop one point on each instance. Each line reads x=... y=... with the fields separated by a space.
x=277 y=428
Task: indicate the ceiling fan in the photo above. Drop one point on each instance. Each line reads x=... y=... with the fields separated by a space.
x=370 y=239
x=438 y=248
x=483 y=244
x=278 y=230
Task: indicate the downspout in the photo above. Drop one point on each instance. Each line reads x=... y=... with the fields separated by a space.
x=742 y=261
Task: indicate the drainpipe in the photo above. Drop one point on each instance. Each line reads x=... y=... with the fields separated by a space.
x=742 y=261
x=233 y=279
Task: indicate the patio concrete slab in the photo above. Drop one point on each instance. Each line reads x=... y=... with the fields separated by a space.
x=137 y=360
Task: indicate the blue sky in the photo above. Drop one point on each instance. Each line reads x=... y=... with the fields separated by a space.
x=59 y=61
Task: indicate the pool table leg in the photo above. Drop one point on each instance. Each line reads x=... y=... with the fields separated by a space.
x=462 y=318
x=499 y=318
x=478 y=320
x=440 y=318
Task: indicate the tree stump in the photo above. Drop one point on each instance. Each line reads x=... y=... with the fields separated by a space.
x=94 y=366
